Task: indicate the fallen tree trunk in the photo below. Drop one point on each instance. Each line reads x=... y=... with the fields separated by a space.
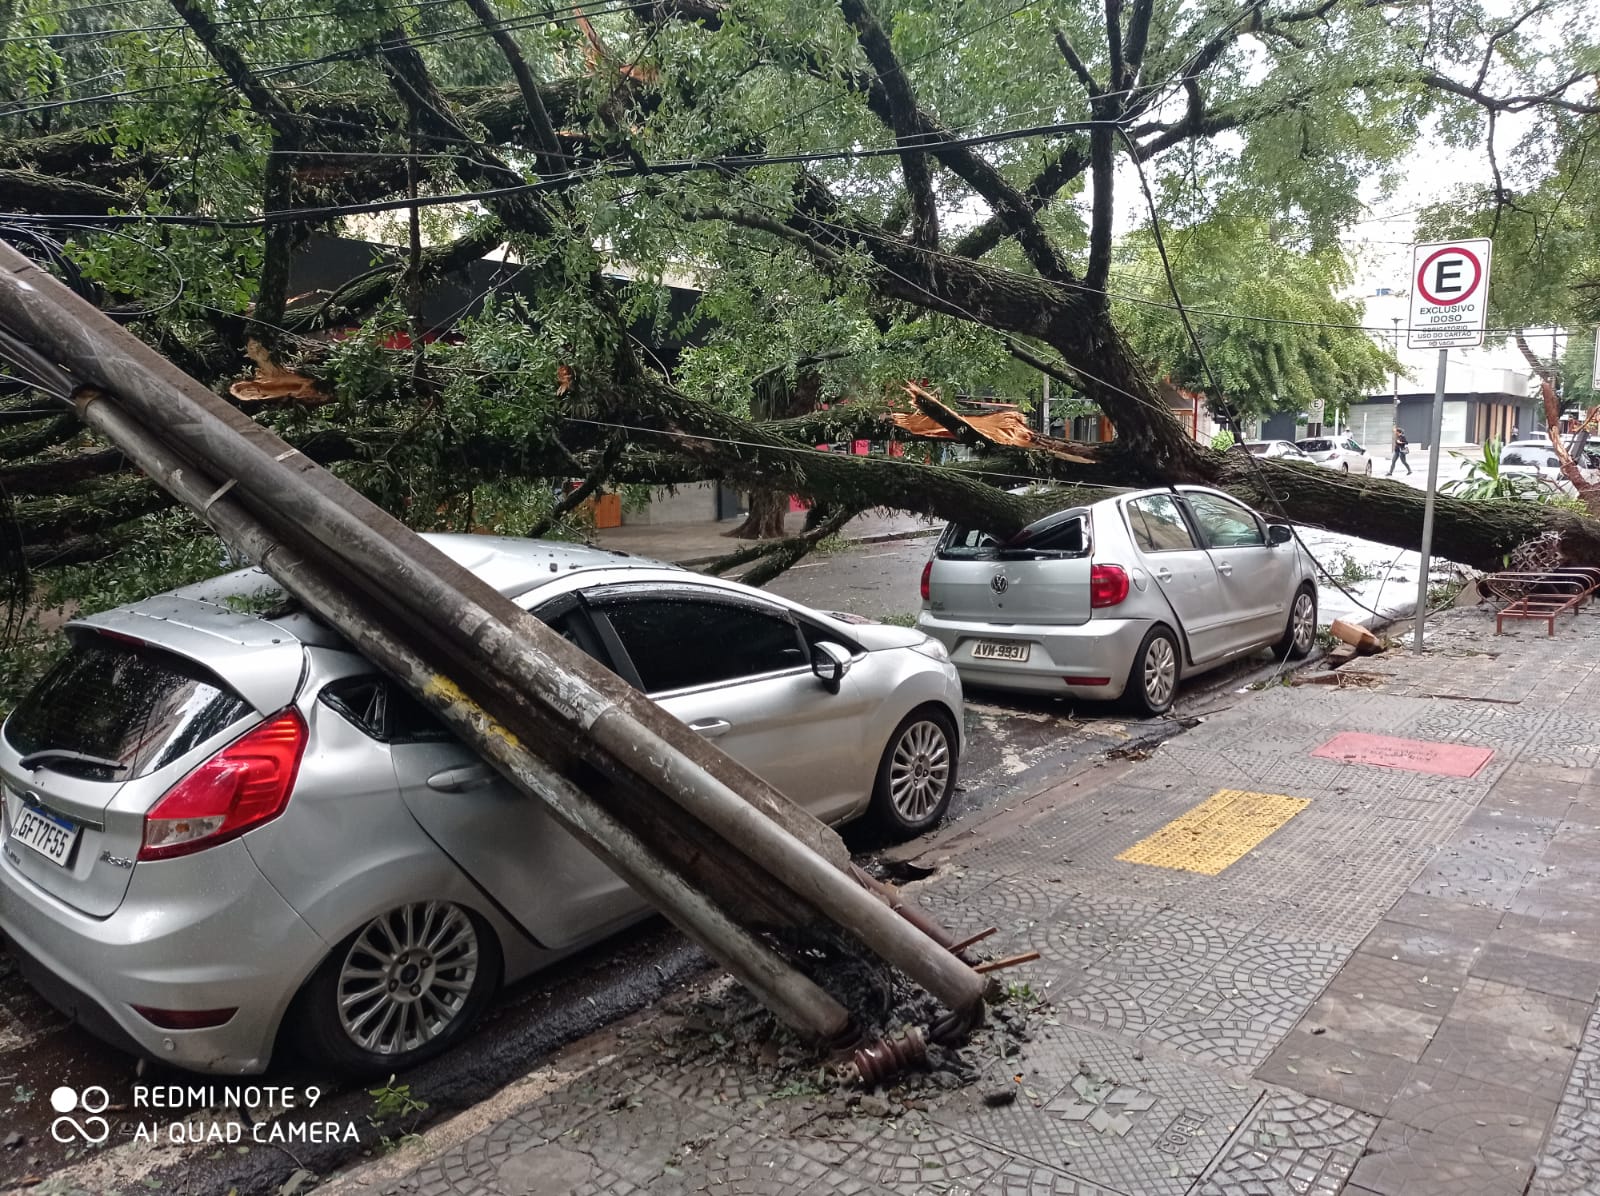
x=1479 y=534
x=676 y=438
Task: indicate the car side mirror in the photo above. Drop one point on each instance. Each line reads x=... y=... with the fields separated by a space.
x=830 y=662
x=1279 y=533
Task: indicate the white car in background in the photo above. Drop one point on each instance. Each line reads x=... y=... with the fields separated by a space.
x=1275 y=449
x=1337 y=452
x=1535 y=458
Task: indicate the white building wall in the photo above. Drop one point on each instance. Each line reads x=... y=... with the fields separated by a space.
x=692 y=503
x=1497 y=367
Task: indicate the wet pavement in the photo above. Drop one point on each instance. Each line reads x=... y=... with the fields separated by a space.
x=1348 y=973
x=1018 y=747
x=1017 y=744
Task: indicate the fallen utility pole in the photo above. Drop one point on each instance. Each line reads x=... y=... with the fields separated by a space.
x=717 y=849
x=796 y=999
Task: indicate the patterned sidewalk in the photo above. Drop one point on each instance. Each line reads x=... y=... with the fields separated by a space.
x=1390 y=992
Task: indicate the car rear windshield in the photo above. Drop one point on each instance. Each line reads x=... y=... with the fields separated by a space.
x=1258 y=448
x=1056 y=535
x=1316 y=446
x=112 y=710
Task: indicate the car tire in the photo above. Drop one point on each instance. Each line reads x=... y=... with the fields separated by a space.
x=917 y=774
x=1369 y=468
x=1300 y=634
x=1153 y=679
x=1344 y=466
x=453 y=984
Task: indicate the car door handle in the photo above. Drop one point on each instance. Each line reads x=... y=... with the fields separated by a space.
x=1224 y=568
x=710 y=728
x=1163 y=574
x=457 y=780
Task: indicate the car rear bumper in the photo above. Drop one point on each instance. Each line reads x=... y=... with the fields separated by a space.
x=202 y=932
x=1085 y=660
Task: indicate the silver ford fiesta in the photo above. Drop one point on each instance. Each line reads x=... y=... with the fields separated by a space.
x=219 y=822
x=1122 y=598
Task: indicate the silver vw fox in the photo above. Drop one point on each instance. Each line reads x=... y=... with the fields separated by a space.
x=1123 y=598
x=221 y=825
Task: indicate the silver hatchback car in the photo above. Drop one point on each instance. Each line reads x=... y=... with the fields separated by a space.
x=218 y=824
x=1120 y=599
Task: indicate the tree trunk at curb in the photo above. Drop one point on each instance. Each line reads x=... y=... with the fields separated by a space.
x=764 y=520
x=776 y=395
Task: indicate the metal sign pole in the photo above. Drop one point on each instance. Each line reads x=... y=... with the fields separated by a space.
x=1436 y=428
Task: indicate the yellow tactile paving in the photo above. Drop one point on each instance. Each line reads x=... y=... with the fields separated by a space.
x=1216 y=832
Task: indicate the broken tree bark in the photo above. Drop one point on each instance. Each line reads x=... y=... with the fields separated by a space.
x=1588 y=491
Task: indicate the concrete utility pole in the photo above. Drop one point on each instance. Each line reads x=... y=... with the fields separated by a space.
x=1396 y=320
x=718 y=850
x=1435 y=430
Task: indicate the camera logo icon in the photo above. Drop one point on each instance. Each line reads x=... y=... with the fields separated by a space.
x=92 y=1129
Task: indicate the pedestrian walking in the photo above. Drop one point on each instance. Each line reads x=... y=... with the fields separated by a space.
x=1399 y=453
x=1516 y=433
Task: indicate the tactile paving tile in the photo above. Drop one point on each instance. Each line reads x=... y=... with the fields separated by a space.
x=747 y=1162
x=472 y=1168
x=1570 y=1163
x=1135 y=1125
x=1018 y=1178
x=1400 y=1159
x=1294 y=1144
x=1215 y=833
x=1481 y=722
x=913 y=1154
x=1497 y=1118
x=643 y=1141
x=1238 y=1013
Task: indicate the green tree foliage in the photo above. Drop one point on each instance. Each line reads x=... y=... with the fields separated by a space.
x=1545 y=224
x=868 y=189
x=1276 y=335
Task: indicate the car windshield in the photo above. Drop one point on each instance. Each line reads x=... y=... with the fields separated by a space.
x=112 y=710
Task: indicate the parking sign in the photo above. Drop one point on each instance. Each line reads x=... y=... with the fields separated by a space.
x=1449 y=294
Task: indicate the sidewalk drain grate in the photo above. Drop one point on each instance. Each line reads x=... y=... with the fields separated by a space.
x=1216 y=833
x=1413 y=755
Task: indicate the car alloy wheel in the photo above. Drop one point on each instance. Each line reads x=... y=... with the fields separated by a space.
x=407 y=976
x=919 y=770
x=1160 y=672
x=1305 y=622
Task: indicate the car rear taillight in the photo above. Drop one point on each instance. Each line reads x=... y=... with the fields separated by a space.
x=244 y=785
x=927 y=572
x=186 y=1019
x=1108 y=585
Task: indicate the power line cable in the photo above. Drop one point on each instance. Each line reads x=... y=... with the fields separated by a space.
x=219 y=22
x=1216 y=386
x=725 y=164
x=348 y=54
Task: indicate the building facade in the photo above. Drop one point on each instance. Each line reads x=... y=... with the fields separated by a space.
x=1489 y=392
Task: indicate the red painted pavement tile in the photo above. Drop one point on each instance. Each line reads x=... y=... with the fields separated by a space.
x=1413 y=755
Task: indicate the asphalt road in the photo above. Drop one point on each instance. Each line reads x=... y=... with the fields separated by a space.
x=1015 y=744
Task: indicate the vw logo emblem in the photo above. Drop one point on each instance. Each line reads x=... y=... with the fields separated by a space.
x=998 y=583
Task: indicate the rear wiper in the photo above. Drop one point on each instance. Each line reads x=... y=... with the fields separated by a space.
x=45 y=756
